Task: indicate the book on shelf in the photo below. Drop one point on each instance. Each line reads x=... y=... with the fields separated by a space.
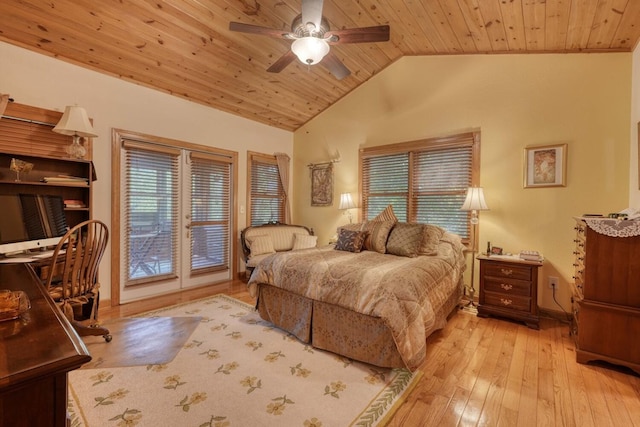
x=65 y=178
x=73 y=203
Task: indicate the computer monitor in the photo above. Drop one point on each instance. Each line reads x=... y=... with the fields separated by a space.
x=30 y=221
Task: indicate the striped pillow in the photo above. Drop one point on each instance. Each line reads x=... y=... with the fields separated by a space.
x=377 y=234
x=386 y=215
x=261 y=245
x=304 y=241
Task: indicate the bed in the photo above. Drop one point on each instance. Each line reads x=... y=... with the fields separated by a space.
x=369 y=305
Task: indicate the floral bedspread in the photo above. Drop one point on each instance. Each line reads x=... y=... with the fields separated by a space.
x=408 y=294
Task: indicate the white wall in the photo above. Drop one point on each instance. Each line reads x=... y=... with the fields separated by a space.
x=45 y=82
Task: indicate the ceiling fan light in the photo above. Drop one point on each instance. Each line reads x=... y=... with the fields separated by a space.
x=310 y=50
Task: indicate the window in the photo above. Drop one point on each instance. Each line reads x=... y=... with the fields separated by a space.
x=425 y=181
x=266 y=195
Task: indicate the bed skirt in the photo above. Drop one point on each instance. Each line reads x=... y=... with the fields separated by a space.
x=329 y=327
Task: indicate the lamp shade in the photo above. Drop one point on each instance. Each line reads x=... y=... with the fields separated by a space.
x=474 y=200
x=310 y=50
x=75 y=122
x=346 y=202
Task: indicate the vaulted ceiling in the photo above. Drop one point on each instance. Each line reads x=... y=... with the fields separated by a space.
x=185 y=48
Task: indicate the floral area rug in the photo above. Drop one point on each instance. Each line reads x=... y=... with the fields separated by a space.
x=238 y=370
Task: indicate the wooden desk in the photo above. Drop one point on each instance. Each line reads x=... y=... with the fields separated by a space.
x=36 y=353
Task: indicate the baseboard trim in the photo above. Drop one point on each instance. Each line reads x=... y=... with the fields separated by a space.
x=554 y=314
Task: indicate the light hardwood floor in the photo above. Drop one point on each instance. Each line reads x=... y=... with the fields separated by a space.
x=489 y=372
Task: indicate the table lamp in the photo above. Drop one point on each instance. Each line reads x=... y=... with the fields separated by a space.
x=75 y=122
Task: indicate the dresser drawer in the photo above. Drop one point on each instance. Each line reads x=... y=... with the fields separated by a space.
x=507 y=286
x=508 y=271
x=511 y=302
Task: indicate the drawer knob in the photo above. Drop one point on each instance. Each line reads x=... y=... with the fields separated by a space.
x=506 y=286
x=506 y=301
x=506 y=271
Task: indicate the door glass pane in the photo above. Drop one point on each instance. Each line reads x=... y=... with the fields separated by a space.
x=210 y=213
x=150 y=214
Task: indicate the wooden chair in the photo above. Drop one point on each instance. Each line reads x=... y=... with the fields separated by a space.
x=72 y=278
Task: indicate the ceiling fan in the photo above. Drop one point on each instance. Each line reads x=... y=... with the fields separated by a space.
x=312 y=36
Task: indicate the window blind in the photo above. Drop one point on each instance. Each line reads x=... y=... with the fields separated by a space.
x=28 y=130
x=210 y=211
x=266 y=192
x=425 y=181
x=385 y=181
x=440 y=181
x=151 y=210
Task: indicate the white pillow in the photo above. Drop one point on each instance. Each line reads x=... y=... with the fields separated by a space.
x=261 y=245
x=304 y=241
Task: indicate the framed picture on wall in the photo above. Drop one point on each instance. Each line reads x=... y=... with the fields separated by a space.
x=545 y=166
x=322 y=185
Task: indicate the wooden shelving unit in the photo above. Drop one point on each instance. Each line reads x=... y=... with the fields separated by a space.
x=26 y=134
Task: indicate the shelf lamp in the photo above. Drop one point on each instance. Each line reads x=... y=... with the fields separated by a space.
x=310 y=50
x=75 y=122
x=346 y=203
x=474 y=202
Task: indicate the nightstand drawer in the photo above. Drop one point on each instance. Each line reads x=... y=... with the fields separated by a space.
x=508 y=271
x=507 y=287
x=511 y=302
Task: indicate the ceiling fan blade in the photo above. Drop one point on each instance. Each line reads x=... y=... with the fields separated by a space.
x=335 y=66
x=282 y=62
x=312 y=12
x=378 y=33
x=256 y=29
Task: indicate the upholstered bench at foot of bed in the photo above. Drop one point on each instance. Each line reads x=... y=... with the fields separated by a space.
x=329 y=327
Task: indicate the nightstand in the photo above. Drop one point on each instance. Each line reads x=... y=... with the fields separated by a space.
x=509 y=288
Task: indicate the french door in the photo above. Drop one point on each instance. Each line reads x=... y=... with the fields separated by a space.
x=175 y=218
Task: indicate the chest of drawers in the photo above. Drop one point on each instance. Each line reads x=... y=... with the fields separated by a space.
x=606 y=294
x=509 y=288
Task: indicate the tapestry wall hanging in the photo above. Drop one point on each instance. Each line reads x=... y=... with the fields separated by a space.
x=322 y=184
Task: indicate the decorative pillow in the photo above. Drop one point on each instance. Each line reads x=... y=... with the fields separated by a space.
x=405 y=239
x=261 y=245
x=377 y=234
x=304 y=241
x=430 y=240
x=349 y=240
x=386 y=215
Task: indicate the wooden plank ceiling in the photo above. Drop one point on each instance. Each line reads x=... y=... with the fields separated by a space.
x=184 y=47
